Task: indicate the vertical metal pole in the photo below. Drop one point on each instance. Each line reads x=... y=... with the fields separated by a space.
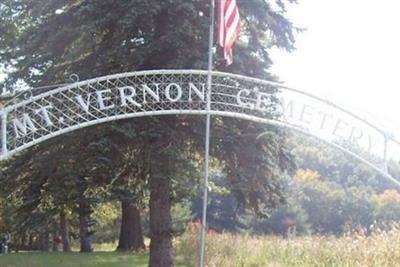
x=207 y=143
x=3 y=134
x=385 y=145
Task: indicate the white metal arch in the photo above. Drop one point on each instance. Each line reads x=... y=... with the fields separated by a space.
x=163 y=92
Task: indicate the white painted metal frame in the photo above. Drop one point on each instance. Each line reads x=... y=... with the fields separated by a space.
x=225 y=88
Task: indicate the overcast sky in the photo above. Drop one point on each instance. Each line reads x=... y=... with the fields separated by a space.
x=350 y=53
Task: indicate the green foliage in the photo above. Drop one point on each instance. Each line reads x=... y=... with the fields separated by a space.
x=181 y=215
x=288 y=220
x=336 y=166
x=338 y=192
x=57 y=38
x=387 y=206
x=223 y=209
x=331 y=208
x=106 y=216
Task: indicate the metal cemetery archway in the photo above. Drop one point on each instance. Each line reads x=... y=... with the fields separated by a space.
x=162 y=92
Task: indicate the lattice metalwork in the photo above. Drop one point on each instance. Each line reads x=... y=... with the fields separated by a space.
x=161 y=92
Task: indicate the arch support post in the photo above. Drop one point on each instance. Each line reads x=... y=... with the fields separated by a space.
x=3 y=134
x=386 y=137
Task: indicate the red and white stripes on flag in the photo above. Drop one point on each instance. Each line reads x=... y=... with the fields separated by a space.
x=228 y=27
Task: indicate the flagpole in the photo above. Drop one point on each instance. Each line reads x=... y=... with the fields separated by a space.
x=207 y=142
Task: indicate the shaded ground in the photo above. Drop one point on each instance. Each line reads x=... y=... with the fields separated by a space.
x=97 y=259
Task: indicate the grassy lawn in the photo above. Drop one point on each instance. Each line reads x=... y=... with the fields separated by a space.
x=97 y=259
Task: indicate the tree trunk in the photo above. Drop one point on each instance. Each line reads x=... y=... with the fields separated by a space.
x=31 y=243
x=85 y=235
x=64 y=232
x=23 y=242
x=131 y=235
x=160 y=221
x=54 y=244
x=44 y=242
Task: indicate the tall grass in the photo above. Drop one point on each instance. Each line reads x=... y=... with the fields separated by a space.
x=378 y=248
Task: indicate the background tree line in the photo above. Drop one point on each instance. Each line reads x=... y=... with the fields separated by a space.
x=329 y=193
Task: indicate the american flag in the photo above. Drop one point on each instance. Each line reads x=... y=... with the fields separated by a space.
x=228 y=27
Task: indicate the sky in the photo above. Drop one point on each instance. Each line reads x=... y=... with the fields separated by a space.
x=349 y=54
